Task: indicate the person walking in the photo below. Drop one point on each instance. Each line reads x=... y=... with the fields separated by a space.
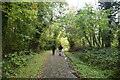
x=53 y=49
x=60 y=50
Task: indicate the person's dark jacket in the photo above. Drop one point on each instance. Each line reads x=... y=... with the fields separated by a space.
x=53 y=47
x=60 y=47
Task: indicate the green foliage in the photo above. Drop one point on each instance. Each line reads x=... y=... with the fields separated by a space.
x=89 y=27
x=18 y=31
x=13 y=61
x=36 y=26
x=107 y=57
x=104 y=59
x=28 y=27
x=34 y=66
x=84 y=70
x=25 y=25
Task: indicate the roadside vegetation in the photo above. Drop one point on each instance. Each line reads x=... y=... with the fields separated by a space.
x=24 y=66
x=28 y=28
x=102 y=63
x=91 y=35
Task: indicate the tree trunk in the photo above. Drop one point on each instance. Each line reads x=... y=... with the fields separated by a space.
x=109 y=39
x=103 y=43
x=87 y=39
x=97 y=42
x=5 y=47
x=94 y=40
x=99 y=39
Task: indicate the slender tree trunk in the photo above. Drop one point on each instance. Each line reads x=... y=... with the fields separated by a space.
x=5 y=48
x=72 y=43
x=103 y=43
x=90 y=44
x=88 y=41
x=99 y=39
x=109 y=39
x=93 y=40
x=97 y=42
x=118 y=35
x=119 y=41
x=83 y=42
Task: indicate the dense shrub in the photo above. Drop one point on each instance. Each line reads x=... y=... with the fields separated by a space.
x=13 y=61
x=105 y=59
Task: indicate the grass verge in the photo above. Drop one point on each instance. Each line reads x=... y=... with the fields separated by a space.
x=34 y=66
x=85 y=70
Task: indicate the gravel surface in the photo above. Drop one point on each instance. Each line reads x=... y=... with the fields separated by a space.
x=56 y=67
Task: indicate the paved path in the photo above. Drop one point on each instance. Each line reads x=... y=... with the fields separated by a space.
x=56 y=67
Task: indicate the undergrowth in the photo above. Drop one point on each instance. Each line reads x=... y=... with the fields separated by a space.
x=105 y=61
x=13 y=61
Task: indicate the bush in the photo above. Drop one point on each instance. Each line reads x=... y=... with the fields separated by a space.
x=13 y=61
x=105 y=59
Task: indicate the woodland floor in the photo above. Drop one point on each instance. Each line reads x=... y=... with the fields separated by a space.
x=56 y=67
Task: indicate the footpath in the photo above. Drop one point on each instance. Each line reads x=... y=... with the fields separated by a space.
x=56 y=67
